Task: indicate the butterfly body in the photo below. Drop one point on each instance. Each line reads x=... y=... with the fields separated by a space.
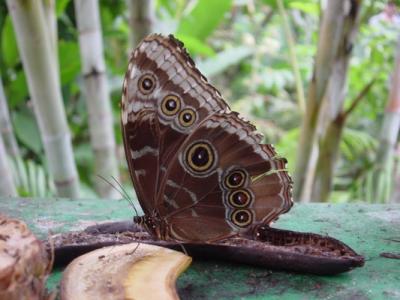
x=200 y=171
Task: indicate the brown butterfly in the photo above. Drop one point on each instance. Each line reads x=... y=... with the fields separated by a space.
x=199 y=170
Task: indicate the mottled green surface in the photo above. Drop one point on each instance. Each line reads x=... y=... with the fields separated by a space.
x=369 y=229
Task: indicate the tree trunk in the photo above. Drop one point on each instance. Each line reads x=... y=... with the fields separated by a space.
x=97 y=95
x=7 y=187
x=331 y=30
x=6 y=128
x=141 y=19
x=36 y=53
x=388 y=137
x=332 y=119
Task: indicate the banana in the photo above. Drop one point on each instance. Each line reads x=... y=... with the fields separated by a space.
x=129 y=271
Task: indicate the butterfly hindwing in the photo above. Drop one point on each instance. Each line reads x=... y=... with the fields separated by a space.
x=245 y=184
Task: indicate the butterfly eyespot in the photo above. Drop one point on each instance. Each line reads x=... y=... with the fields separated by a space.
x=170 y=105
x=146 y=84
x=200 y=157
x=235 y=179
x=239 y=198
x=241 y=217
x=187 y=117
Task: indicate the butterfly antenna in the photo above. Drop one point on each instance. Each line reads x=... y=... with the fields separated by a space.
x=112 y=185
x=137 y=246
x=126 y=195
x=183 y=249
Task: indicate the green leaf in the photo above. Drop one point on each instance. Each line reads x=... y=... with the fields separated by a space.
x=356 y=143
x=9 y=44
x=311 y=8
x=70 y=64
x=60 y=6
x=27 y=131
x=220 y=62
x=195 y=46
x=273 y=3
x=17 y=90
x=205 y=16
x=31 y=179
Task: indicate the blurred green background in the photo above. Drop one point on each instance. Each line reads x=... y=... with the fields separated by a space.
x=245 y=49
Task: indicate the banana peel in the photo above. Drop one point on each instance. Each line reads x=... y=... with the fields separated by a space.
x=131 y=271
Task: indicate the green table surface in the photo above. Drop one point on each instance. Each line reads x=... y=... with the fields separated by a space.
x=368 y=229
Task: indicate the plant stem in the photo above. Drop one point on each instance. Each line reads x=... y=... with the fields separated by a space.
x=358 y=98
x=141 y=19
x=293 y=57
x=97 y=95
x=332 y=119
x=51 y=19
x=37 y=58
x=7 y=187
x=6 y=128
x=389 y=133
x=329 y=38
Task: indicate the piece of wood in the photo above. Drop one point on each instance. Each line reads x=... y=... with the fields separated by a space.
x=24 y=262
x=368 y=229
x=281 y=250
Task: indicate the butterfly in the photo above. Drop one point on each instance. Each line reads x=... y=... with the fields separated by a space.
x=199 y=170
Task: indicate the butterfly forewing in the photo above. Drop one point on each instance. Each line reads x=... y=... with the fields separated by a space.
x=161 y=79
x=195 y=165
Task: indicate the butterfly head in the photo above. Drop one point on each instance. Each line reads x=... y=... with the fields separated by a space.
x=152 y=224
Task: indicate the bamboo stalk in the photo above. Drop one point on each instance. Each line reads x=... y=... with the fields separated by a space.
x=329 y=39
x=6 y=128
x=141 y=19
x=332 y=118
x=97 y=95
x=35 y=49
x=389 y=131
x=301 y=99
x=51 y=20
x=7 y=186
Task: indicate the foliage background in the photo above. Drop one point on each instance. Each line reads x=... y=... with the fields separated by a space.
x=242 y=47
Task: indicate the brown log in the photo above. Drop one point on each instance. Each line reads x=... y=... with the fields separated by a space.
x=273 y=249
